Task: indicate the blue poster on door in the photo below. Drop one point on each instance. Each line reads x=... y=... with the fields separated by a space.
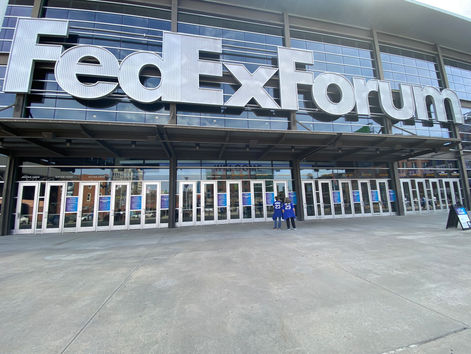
x=71 y=204
x=222 y=200
x=269 y=198
x=392 y=195
x=164 y=201
x=336 y=197
x=356 y=196
x=375 y=196
x=246 y=198
x=104 y=203
x=136 y=202
x=292 y=196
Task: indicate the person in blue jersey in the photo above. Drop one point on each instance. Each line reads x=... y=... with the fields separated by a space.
x=277 y=214
x=289 y=215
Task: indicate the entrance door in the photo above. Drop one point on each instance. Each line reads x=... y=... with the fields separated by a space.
x=120 y=205
x=365 y=197
x=88 y=206
x=53 y=215
x=435 y=190
x=258 y=200
x=326 y=198
x=281 y=189
x=407 y=196
x=384 y=197
x=208 y=202
x=187 y=210
x=309 y=197
x=346 y=195
x=151 y=204
x=234 y=191
x=26 y=207
x=422 y=195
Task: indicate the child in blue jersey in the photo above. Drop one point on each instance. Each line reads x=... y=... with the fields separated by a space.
x=289 y=213
x=277 y=214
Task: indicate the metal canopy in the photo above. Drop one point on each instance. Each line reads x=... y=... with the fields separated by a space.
x=81 y=139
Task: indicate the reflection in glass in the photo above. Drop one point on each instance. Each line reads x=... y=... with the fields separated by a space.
x=120 y=199
x=88 y=205
x=151 y=204
x=54 y=207
x=187 y=203
x=234 y=200
x=26 y=209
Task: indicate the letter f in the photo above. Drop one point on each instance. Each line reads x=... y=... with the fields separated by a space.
x=25 y=51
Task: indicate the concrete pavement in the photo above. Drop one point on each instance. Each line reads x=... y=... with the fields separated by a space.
x=361 y=285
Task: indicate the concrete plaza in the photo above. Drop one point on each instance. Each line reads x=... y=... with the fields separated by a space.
x=361 y=285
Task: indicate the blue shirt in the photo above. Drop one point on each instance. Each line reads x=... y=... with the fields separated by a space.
x=288 y=210
x=277 y=209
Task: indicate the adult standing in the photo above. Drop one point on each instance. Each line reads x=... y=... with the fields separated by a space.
x=289 y=213
x=277 y=213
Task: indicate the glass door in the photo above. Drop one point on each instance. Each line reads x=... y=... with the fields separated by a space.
x=346 y=188
x=384 y=197
x=208 y=202
x=436 y=200
x=151 y=204
x=457 y=192
x=326 y=198
x=88 y=206
x=259 y=198
x=281 y=190
x=53 y=215
x=26 y=207
x=407 y=196
x=422 y=196
x=120 y=205
x=356 y=198
x=309 y=198
x=365 y=196
x=187 y=210
x=234 y=191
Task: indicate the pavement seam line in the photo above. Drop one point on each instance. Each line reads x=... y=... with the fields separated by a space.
x=390 y=291
x=426 y=341
x=466 y=326
x=129 y=276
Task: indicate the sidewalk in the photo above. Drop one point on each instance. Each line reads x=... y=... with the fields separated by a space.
x=360 y=285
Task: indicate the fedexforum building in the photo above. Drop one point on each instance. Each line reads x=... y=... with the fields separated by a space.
x=163 y=113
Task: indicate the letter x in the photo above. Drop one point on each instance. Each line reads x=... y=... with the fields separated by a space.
x=251 y=86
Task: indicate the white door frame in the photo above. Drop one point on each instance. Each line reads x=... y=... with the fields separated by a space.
x=314 y=199
x=193 y=201
x=47 y=195
x=228 y=194
x=17 y=229
x=360 y=184
x=388 y=201
x=321 y=197
x=264 y=200
x=95 y=206
x=144 y=203
x=112 y=206
x=203 y=201
x=352 y=207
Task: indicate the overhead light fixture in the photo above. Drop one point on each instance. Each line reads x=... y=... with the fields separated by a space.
x=68 y=142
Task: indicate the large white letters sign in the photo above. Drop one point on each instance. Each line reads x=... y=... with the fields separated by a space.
x=181 y=67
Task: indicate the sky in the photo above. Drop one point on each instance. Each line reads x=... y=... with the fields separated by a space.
x=459 y=7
